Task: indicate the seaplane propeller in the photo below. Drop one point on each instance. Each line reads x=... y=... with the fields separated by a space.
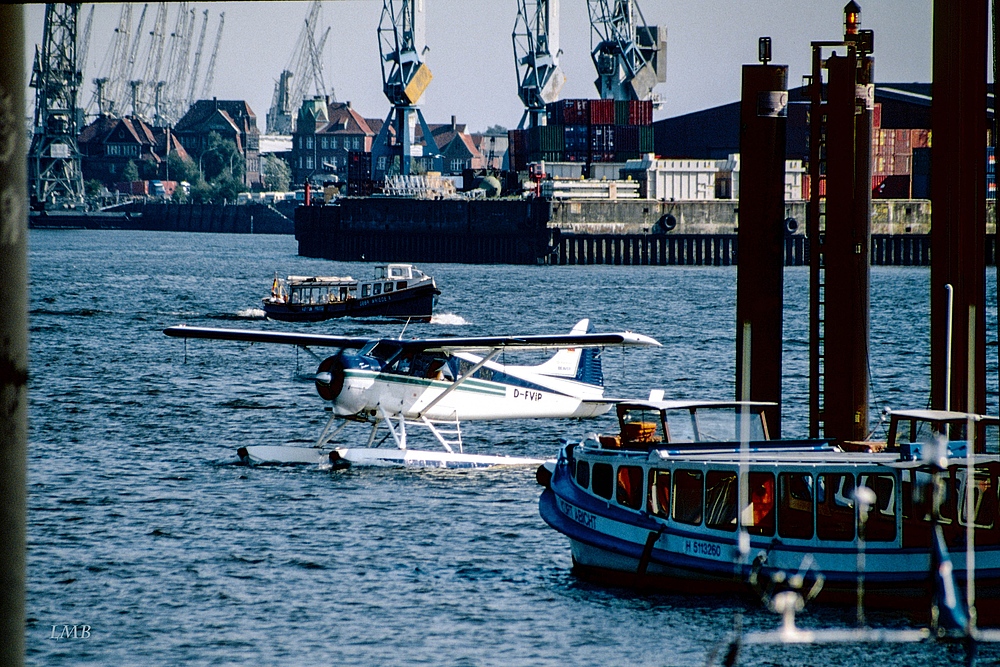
x=330 y=377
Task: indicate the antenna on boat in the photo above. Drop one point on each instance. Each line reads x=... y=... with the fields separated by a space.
x=406 y=324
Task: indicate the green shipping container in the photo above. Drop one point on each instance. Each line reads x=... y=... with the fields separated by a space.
x=646 y=139
x=621 y=112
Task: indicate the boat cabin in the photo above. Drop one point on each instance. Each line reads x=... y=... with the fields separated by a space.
x=681 y=464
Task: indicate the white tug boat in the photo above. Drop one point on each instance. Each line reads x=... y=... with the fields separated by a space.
x=659 y=506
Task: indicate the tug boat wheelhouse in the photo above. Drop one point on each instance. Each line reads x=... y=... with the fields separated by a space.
x=398 y=290
x=658 y=505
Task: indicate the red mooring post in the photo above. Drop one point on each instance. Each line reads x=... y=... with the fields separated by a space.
x=958 y=198
x=847 y=246
x=759 y=284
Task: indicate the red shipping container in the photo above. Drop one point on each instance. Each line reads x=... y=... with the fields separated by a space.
x=602 y=112
x=877 y=116
x=902 y=141
x=640 y=112
x=901 y=164
x=920 y=139
x=575 y=112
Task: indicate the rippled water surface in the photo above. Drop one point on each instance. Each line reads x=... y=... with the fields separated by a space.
x=141 y=529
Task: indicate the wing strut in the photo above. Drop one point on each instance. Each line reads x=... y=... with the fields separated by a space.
x=454 y=385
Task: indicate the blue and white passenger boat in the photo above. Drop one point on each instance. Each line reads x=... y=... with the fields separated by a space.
x=659 y=505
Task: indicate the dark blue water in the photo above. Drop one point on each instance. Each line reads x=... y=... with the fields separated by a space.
x=139 y=530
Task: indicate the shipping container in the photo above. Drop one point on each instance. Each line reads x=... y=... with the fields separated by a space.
x=554 y=113
x=921 y=186
x=568 y=112
x=877 y=116
x=991 y=161
x=640 y=112
x=576 y=138
x=359 y=166
x=921 y=163
x=646 y=137
x=577 y=155
x=602 y=112
x=621 y=112
x=991 y=186
x=901 y=164
x=517 y=149
x=902 y=142
x=602 y=156
x=920 y=139
x=602 y=138
x=626 y=139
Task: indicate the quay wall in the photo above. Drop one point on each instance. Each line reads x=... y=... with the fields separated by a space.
x=218 y=218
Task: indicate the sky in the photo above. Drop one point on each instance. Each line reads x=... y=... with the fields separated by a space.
x=471 y=52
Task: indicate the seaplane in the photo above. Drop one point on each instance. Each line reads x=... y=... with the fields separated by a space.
x=435 y=384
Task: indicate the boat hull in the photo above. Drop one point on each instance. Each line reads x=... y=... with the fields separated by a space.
x=611 y=547
x=416 y=303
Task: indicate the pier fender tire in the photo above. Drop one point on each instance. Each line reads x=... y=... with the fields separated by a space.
x=543 y=476
x=791 y=226
x=334 y=365
x=666 y=223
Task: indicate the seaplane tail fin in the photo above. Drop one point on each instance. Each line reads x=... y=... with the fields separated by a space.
x=575 y=362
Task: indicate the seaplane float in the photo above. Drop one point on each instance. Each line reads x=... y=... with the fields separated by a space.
x=693 y=496
x=435 y=384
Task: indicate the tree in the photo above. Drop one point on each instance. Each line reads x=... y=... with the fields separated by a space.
x=93 y=187
x=496 y=131
x=221 y=158
x=179 y=169
x=277 y=174
x=130 y=172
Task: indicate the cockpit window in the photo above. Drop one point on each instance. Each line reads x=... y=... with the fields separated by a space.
x=381 y=350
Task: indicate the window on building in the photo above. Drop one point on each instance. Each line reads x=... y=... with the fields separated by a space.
x=309 y=162
x=381 y=163
x=300 y=162
x=300 y=142
x=323 y=142
x=357 y=143
x=309 y=142
x=333 y=142
x=457 y=164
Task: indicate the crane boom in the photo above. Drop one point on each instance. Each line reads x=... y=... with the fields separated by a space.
x=154 y=57
x=84 y=48
x=210 y=75
x=197 y=60
x=114 y=90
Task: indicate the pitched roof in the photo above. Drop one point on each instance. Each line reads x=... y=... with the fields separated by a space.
x=345 y=120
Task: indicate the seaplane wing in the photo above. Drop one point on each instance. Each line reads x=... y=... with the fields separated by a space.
x=438 y=382
x=456 y=344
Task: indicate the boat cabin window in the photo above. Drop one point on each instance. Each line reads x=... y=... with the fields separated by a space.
x=640 y=427
x=795 y=505
x=388 y=287
x=628 y=490
x=377 y=289
x=688 y=492
x=659 y=493
x=399 y=272
x=366 y=290
x=759 y=517
x=602 y=482
x=721 y=490
x=583 y=474
x=708 y=424
x=835 y=507
x=401 y=285
x=881 y=521
x=984 y=497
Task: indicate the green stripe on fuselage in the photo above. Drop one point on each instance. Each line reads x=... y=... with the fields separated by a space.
x=472 y=385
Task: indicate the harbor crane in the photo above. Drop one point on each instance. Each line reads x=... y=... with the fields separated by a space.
x=154 y=60
x=536 y=58
x=55 y=175
x=304 y=67
x=629 y=55
x=405 y=77
x=197 y=60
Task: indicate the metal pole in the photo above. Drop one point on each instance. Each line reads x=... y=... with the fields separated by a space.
x=13 y=336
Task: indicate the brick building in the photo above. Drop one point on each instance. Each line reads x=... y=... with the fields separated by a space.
x=108 y=144
x=231 y=119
